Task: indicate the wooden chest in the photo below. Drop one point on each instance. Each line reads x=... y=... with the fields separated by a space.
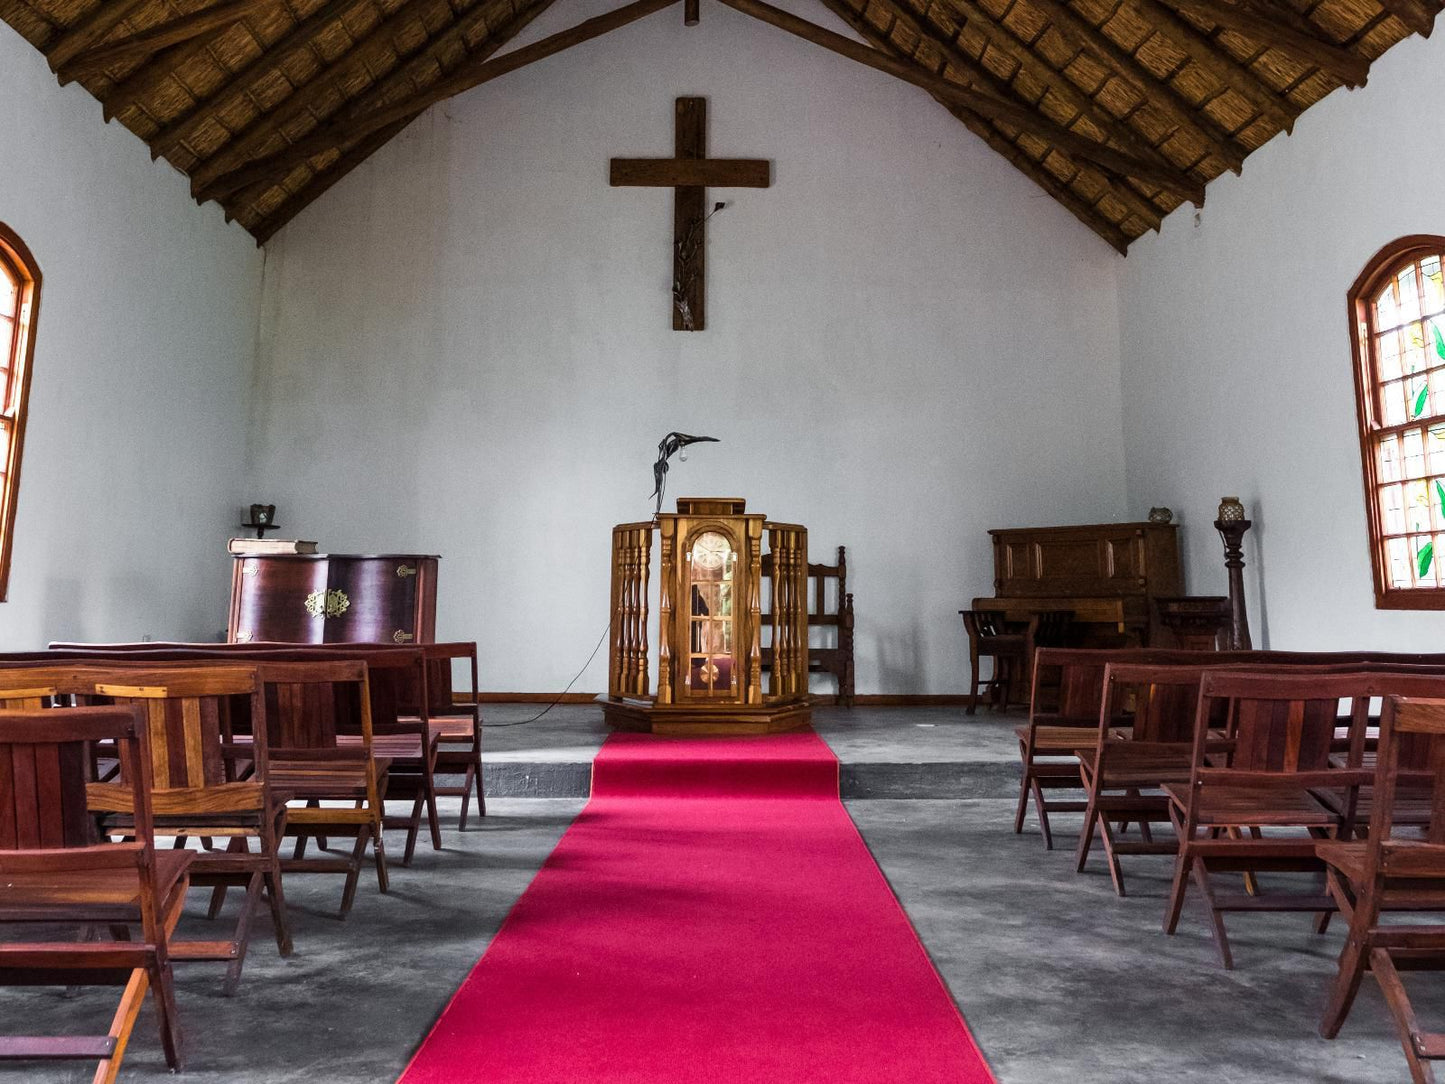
x=326 y=598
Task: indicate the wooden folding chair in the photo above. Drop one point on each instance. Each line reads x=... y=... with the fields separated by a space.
x=1391 y=872
x=1124 y=779
x=1064 y=698
x=1275 y=751
x=458 y=725
x=313 y=707
x=197 y=795
x=56 y=868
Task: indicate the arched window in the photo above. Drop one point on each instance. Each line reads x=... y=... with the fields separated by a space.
x=1397 y=325
x=19 y=307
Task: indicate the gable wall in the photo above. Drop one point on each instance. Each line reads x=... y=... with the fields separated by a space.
x=466 y=344
x=135 y=445
x=1236 y=354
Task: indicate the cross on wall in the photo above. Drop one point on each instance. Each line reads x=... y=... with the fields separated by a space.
x=689 y=173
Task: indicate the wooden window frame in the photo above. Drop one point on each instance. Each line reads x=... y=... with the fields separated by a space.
x=1384 y=265
x=20 y=263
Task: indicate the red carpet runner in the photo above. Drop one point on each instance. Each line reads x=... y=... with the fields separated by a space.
x=712 y=915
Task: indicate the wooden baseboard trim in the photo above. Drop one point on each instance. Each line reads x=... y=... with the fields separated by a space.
x=527 y=698
x=872 y=700
x=906 y=700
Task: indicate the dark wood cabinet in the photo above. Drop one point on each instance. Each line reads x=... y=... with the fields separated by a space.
x=325 y=598
x=1107 y=573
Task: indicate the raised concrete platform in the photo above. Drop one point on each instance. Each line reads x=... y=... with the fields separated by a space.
x=882 y=752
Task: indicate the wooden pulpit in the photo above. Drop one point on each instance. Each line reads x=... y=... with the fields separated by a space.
x=709 y=621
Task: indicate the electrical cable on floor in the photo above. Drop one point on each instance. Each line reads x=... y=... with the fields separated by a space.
x=563 y=694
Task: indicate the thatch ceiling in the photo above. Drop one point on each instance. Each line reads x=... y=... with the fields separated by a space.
x=1119 y=109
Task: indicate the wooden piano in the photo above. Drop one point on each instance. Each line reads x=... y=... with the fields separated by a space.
x=1108 y=574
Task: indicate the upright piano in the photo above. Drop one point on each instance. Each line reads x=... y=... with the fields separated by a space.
x=1108 y=574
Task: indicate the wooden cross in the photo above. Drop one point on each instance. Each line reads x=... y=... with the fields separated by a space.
x=689 y=174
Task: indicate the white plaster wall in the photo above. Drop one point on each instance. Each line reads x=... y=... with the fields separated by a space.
x=134 y=452
x=466 y=344
x=1236 y=354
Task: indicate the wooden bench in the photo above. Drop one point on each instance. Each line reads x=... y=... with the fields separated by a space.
x=837 y=658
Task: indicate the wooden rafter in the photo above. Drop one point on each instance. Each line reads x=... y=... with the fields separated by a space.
x=328 y=83
x=149 y=42
x=1418 y=16
x=981 y=127
x=984 y=104
x=89 y=30
x=1276 y=31
x=444 y=53
x=1184 y=186
x=1111 y=128
x=1159 y=94
x=471 y=73
x=170 y=138
x=267 y=227
x=1117 y=110
x=1220 y=65
x=982 y=79
x=149 y=77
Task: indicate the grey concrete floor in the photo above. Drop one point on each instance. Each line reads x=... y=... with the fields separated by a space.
x=1060 y=980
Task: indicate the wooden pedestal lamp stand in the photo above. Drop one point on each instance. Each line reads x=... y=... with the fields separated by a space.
x=1231 y=526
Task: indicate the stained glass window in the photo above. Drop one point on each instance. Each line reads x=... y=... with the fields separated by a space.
x=1398 y=309
x=19 y=301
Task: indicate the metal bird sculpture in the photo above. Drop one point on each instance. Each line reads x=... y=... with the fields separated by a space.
x=666 y=448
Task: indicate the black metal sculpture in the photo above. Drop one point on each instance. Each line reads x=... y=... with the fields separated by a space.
x=666 y=448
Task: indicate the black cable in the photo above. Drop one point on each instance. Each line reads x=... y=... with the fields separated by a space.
x=563 y=694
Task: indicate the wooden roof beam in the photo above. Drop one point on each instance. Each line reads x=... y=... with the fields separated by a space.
x=1418 y=16
x=1349 y=67
x=402 y=78
x=150 y=76
x=1220 y=65
x=252 y=138
x=1158 y=93
x=1085 y=107
x=995 y=138
x=975 y=101
x=169 y=139
x=149 y=42
x=469 y=74
x=89 y=30
x=1113 y=128
x=1002 y=141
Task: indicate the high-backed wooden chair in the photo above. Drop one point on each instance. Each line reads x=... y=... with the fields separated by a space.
x=55 y=868
x=1123 y=779
x=1399 y=868
x=1275 y=750
x=834 y=658
x=187 y=721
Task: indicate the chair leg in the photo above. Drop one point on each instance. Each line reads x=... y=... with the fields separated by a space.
x=466 y=797
x=122 y=1024
x=378 y=847
x=353 y=874
x=1116 y=871
x=413 y=830
x=1180 y=888
x=163 y=985
x=973 y=689
x=280 y=921
x=1025 y=778
x=1405 y=1023
x=242 y=936
x=1354 y=961
x=1086 y=834
x=1216 y=917
x=1043 y=812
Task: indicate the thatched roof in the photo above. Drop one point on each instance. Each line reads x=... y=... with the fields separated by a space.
x=1119 y=109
